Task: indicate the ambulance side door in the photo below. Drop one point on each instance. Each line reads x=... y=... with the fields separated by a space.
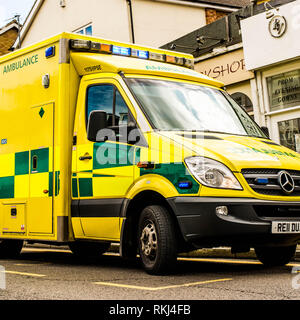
x=104 y=170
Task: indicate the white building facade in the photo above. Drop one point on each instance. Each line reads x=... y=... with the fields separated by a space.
x=147 y=22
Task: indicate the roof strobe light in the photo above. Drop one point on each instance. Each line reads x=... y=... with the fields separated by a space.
x=80 y=44
x=142 y=54
x=157 y=56
x=189 y=63
x=175 y=60
x=121 y=51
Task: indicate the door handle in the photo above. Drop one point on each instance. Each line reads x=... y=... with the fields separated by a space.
x=85 y=157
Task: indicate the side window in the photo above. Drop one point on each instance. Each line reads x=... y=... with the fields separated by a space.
x=107 y=98
x=101 y=97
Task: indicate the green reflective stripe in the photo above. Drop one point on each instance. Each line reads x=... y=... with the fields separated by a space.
x=22 y=163
x=50 y=184
x=86 y=187
x=7 y=187
x=57 y=183
x=175 y=173
x=42 y=160
x=74 y=188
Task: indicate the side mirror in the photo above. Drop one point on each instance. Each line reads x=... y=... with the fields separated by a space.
x=265 y=130
x=97 y=121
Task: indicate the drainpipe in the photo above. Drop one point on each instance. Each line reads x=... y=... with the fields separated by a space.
x=131 y=20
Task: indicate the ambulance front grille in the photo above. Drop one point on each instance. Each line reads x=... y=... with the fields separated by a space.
x=272 y=186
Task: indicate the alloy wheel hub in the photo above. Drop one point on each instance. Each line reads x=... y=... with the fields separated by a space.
x=149 y=240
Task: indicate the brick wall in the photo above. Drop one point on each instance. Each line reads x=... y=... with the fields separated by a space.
x=7 y=39
x=213 y=15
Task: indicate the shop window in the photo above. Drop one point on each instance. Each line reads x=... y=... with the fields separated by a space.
x=289 y=134
x=244 y=101
x=284 y=90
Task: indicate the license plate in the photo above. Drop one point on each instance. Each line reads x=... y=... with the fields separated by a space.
x=285 y=227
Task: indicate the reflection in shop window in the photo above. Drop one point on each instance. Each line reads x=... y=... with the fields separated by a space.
x=289 y=133
x=244 y=101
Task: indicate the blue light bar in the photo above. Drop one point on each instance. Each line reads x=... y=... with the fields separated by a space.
x=121 y=51
x=142 y=54
x=50 y=52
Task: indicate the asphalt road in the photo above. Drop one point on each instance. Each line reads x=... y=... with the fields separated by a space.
x=40 y=274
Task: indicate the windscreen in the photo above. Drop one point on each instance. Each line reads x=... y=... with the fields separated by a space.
x=171 y=105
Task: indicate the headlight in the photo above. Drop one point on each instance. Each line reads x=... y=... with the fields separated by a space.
x=212 y=173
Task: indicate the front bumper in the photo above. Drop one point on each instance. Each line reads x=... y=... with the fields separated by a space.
x=248 y=222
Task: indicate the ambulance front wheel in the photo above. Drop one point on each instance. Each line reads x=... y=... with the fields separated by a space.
x=275 y=256
x=156 y=240
x=10 y=248
x=86 y=249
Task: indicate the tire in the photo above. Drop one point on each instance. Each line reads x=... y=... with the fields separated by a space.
x=156 y=240
x=275 y=256
x=88 y=249
x=10 y=248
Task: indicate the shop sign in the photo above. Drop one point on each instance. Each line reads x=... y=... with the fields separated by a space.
x=270 y=39
x=277 y=26
x=284 y=90
x=228 y=68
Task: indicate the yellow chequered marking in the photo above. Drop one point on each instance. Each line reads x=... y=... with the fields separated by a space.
x=7 y=165
x=39 y=182
x=22 y=186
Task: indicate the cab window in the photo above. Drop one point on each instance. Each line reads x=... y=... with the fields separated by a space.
x=106 y=97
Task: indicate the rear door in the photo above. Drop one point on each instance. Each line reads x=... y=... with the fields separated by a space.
x=40 y=206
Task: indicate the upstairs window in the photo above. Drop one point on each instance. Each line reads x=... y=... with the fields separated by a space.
x=86 y=30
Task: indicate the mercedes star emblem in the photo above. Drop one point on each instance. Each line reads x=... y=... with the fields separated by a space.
x=286 y=182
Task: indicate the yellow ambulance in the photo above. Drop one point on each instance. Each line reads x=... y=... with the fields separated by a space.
x=104 y=142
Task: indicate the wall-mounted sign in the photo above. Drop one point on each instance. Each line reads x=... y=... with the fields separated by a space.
x=228 y=68
x=260 y=48
x=284 y=90
x=277 y=26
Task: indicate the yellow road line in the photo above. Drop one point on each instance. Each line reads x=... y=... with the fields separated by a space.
x=46 y=249
x=23 y=273
x=160 y=288
x=30 y=264
x=230 y=261
x=293 y=264
x=219 y=260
